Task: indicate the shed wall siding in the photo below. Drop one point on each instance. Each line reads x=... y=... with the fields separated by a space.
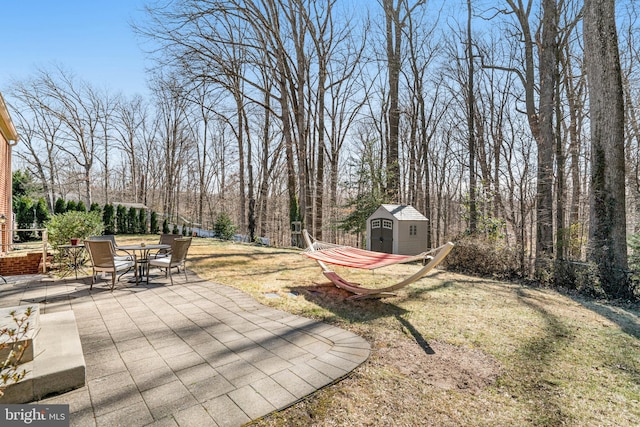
x=412 y=245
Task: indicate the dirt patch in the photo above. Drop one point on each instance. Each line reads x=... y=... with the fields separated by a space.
x=405 y=350
x=440 y=365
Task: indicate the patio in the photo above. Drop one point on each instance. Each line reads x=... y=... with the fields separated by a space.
x=195 y=353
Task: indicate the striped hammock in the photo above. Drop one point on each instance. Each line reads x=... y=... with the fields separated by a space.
x=347 y=256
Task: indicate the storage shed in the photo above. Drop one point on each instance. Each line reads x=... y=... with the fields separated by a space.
x=397 y=229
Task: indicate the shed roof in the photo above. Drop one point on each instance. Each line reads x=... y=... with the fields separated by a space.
x=130 y=205
x=405 y=213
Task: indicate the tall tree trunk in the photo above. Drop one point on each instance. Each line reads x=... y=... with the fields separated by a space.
x=294 y=210
x=105 y=186
x=546 y=141
x=202 y=179
x=607 y=232
x=473 y=211
x=394 y=39
x=251 y=213
x=242 y=206
x=561 y=231
x=541 y=127
x=321 y=147
x=263 y=191
x=574 y=96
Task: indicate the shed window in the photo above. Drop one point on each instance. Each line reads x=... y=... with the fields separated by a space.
x=375 y=223
x=387 y=224
x=413 y=230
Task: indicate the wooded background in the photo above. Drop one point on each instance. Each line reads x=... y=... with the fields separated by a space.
x=273 y=111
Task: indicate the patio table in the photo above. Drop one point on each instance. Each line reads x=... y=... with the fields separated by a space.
x=142 y=256
x=74 y=258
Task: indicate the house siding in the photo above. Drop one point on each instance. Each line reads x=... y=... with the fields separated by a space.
x=8 y=137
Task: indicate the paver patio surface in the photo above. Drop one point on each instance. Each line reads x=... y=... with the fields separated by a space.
x=192 y=354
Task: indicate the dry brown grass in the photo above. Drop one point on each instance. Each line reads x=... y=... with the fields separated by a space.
x=450 y=349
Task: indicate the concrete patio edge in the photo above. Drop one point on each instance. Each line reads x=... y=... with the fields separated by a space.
x=195 y=353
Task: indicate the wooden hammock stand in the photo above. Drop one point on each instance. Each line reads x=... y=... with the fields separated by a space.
x=346 y=256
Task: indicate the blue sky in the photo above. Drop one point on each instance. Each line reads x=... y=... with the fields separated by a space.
x=91 y=38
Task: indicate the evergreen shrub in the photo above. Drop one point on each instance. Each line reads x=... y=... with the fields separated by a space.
x=224 y=227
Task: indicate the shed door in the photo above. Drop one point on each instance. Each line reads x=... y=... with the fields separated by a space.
x=382 y=235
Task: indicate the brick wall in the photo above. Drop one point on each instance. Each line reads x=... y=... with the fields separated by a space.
x=27 y=264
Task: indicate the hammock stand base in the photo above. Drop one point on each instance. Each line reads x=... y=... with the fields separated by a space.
x=342 y=255
x=358 y=291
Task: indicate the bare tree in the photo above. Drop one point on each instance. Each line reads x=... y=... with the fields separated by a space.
x=471 y=127
x=546 y=135
x=393 y=24
x=77 y=106
x=607 y=233
x=270 y=157
x=496 y=102
x=105 y=106
x=347 y=92
x=570 y=124
x=630 y=60
x=540 y=117
x=39 y=132
x=425 y=109
x=205 y=166
x=130 y=116
x=175 y=138
x=337 y=56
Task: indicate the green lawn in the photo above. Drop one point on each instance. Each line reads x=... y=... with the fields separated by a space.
x=450 y=349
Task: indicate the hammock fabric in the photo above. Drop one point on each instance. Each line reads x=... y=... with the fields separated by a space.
x=346 y=256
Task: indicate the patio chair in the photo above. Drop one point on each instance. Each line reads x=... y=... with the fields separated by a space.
x=111 y=238
x=165 y=239
x=103 y=259
x=177 y=258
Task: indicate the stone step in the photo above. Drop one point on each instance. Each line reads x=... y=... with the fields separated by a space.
x=58 y=365
x=6 y=321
